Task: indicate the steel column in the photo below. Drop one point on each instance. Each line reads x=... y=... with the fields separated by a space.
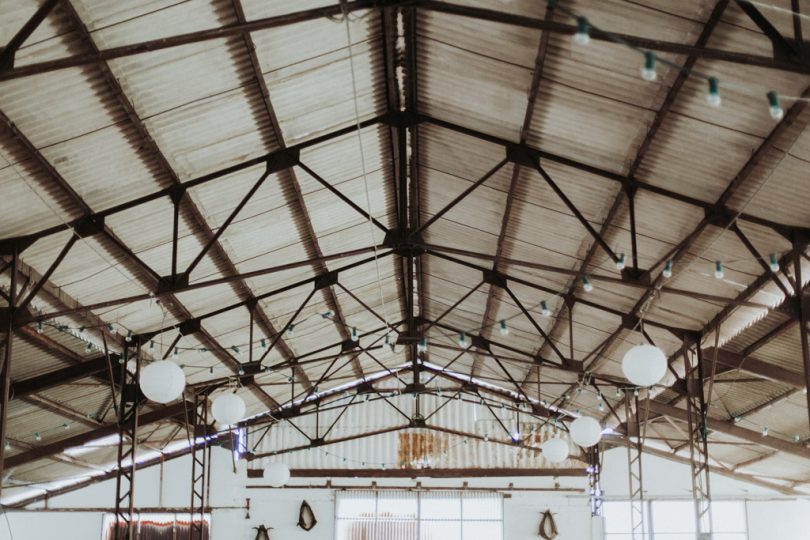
x=127 y=446
x=635 y=427
x=697 y=413
x=5 y=372
x=800 y=305
x=198 y=429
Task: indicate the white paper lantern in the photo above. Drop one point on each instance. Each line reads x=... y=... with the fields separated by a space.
x=276 y=474
x=162 y=381
x=585 y=431
x=228 y=408
x=555 y=450
x=644 y=365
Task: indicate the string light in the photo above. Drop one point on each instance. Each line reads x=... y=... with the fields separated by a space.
x=620 y=262
x=774 y=107
x=719 y=272
x=544 y=309
x=291 y=330
x=462 y=340
x=235 y=349
x=503 y=328
x=175 y=353
x=89 y=347
x=667 y=270
x=355 y=337
x=110 y=327
x=774 y=263
x=713 y=97
x=39 y=327
x=586 y=284
x=263 y=343
x=583 y=36
x=327 y=315
x=152 y=345
x=81 y=331
x=648 y=72
x=38 y=436
x=128 y=337
x=8 y=444
x=765 y=431
x=423 y=345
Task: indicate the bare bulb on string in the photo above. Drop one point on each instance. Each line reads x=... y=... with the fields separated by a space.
x=648 y=72
x=544 y=309
x=773 y=263
x=620 y=262
x=583 y=36
x=667 y=273
x=713 y=97
x=586 y=284
x=503 y=328
x=462 y=340
x=719 y=271
x=774 y=107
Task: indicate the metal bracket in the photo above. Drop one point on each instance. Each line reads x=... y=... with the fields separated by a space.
x=349 y=345
x=283 y=161
x=719 y=216
x=167 y=284
x=189 y=327
x=479 y=342
x=9 y=245
x=495 y=279
x=402 y=119
x=326 y=280
x=636 y=275
x=89 y=226
x=521 y=155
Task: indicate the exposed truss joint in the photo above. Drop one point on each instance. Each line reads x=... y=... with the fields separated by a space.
x=89 y=226
x=720 y=216
x=190 y=326
x=636 y=275
x=168 y=284
x=349 y=345
x=283 y=160
x=325 y=280
x=520 y=154
x=9 y=246
x=495 y=278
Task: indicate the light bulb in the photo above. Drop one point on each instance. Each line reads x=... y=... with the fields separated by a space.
x=423 y=345
x=129 y=336
x=81 y=330
x=263 y=343
x=503 y=328
x=291 y=330
x=667 y=270
x=648 y=72
x=774 y=106
x=355 y=337
x=8 y=445
x=544 y=308
x=774 y=263
x=719 y=272
x=89 y=347
x=713 y=97
x=620 y=262
x=235 y=349
x=765 y=431
x=462 y=340
x=39 y=327
x=37 y=436
x=152 y=345
x=326 y=314
x=586 y=284
x=175 y=353
x=582 y=37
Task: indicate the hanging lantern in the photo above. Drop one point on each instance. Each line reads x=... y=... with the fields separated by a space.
x=162 y=381
x=644 y=365
x=228 y=408
x=585 y=431
x=276 y=474
x=555 y=450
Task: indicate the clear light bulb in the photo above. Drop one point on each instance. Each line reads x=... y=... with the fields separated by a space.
x=620 y=264
x=648 y=72
x=668 y=270
x=713 y=97
x=719 y=272
x=503 y=328
x=582 y=37
x=774 y=107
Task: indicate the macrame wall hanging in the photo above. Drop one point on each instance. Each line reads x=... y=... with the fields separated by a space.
x=548 y=528
x=306 y=517
x=262 y=532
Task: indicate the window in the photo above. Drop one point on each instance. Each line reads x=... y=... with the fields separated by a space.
x=675 y=520
x=406 y=515
x=157 y=526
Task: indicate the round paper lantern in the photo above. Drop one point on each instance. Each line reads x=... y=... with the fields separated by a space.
x=277 y=474
x=228 y=408
x=162 y=381
x=585 y=431
x=644 y=365
x=555 y=450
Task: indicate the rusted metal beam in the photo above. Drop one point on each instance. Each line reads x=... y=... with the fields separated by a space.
x=8 y=52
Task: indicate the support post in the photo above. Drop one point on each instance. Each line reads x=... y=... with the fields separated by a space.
x=5 y=372
x=799 y=247
x=635 y=428
x=127 y=445
x=697 y=416
x=199 y=467
x=595 y=480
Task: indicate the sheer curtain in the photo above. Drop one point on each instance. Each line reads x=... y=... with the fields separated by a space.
x=409 y=515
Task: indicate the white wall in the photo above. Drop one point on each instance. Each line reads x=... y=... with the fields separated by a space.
x=768 y=519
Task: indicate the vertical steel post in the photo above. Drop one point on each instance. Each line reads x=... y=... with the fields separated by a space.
x=798 y=249
x=595 y=480
x=5 y=372
x=127 y=446
x=697 y=416
x=635 y=428
x=199 y=469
